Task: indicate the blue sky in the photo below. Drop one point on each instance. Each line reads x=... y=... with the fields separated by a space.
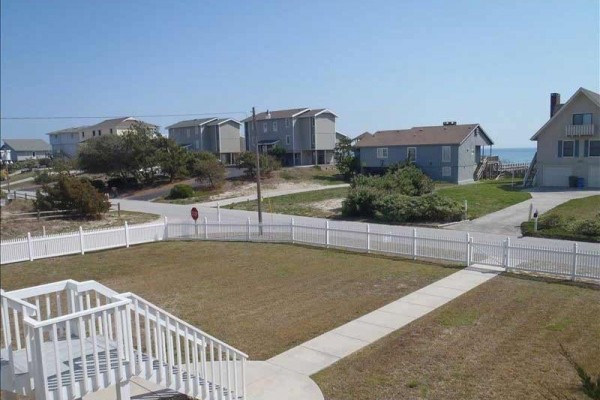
x=378 y=65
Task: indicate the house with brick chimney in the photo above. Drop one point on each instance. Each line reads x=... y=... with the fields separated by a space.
x=568 y=144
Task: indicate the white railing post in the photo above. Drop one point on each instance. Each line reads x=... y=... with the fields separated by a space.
x=126 y=234
x=468 y=258
x=414 y=246
x=29 y=246
x=327 y=234
x=166 y=223
x=507 y=254
x=81 y=243
x=248 y=229
x=574 y=270
x=219 y=213
x=292 y=233
x=205 y=228
x=368 y=238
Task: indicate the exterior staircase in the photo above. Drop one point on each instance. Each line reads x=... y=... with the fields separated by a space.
x=531 y=173
x=66 y=339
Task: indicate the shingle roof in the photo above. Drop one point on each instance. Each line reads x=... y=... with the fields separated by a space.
x=191 y=123
x=122 y=122
x=72 y=130
x=27 y=144
x=420 y=135
x=275 y=114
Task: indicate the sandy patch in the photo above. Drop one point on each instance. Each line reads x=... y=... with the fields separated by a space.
x=330 y=205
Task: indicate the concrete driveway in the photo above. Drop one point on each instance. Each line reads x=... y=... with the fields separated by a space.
x=508 y=220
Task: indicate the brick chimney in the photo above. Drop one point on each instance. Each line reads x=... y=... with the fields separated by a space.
x=554 y=103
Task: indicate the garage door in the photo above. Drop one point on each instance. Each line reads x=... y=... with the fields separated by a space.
x=556 y=176
x=594 y=176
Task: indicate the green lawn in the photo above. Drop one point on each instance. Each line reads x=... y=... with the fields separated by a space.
x=485 y=197
x=500 y=341
x=577 y=219
x=326 y=175
x=297 y=204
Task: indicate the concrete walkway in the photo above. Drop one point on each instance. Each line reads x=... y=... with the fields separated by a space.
x=270 y=193
x=508 y=220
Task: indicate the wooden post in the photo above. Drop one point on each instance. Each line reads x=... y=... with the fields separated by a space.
x=219 y=213
x=119 y=209
x=29 y=246
x=44 y=230
x=466 y=210
x=530 y=211
x=574 y=269
x=38 y=215
x=81 y=243
x=535 y=224
x=414 y=247
x=126 y=234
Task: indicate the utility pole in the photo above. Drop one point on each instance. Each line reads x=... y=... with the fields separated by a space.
x=258 y=196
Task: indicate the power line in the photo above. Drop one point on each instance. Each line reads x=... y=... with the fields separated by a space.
x=133 y=116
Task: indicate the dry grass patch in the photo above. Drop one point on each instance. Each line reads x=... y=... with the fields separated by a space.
x=498 y=341
x=261 y=298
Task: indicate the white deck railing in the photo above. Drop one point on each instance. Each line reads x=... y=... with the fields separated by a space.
x=572 y=263
x=66 y=339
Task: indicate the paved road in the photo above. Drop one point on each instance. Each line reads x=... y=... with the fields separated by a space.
x=508 y=220
x=181 y=213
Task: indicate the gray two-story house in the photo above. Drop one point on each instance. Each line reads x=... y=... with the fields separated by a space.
x=307 y=135
x=569 y=142
x=448 y=152
x=218 y=136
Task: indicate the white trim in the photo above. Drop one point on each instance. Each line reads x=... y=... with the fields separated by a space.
x=301 y=112
x=326 y=110
x=408 y=152
x=275 y=127
x=381 y=151
x=265 y=127
x=563 y=149
x=562 y=108
x=235 y=121
x=449 y=148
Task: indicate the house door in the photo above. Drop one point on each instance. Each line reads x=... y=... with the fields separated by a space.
x=477 y=154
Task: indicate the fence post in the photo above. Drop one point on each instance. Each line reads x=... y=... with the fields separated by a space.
x=414 y=246
x=81 y=244
x=219 y=213
x=248 y=229
x=468 y=249
x=38 y=215
x=530 y=211
x=25 y=195
x=327 y=234
x=126 y=234
x=166 y=223
x=574 y=270
x=292 y=230
x=466 y=210
x=205 y=228
x=368 y=238
x=44 y=230
x=29 y=246
x=507 y=254
x=119 y=209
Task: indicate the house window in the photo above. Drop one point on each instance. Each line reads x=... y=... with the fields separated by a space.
x=446 y=171
x=197 y=144
x=111 y=131
x=568 y=148
x=93 y=133
x=33 y=154
x=382 y=152
x=594 y=150
x=582 y=119
x=265 y=128
x=100 y=132
x=274 y=126
x=287 y=139
x=446 y=153
x=82 y=134
x=287 y=122
x=411 y=154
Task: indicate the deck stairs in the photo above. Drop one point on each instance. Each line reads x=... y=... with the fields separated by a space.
x=531 y=173
x=480 y=170
x=64 y=340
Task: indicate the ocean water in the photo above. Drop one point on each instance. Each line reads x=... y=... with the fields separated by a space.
x=514 y=155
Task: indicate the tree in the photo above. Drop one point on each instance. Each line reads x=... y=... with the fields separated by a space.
x=71 y=193
x=268 y=164
x=172 y=158
x=105 y=155
x=347 y=163
x=207 y=168
x=278 y=151
x=141 y=142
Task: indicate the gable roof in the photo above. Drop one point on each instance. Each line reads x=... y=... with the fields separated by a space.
x=27 y=144
x=74 y=129
x=191 y=123
x=275 y=114
x=362 y=136
x=317 y=112
x=121 y=122
x=422 y=135
x=594 y=97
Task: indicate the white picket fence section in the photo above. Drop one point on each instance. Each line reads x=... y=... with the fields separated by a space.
x=571 y=263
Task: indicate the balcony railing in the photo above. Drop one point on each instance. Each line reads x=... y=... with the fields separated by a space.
x=580 y=130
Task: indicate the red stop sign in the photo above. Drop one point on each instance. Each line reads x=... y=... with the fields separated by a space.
x=194 y=213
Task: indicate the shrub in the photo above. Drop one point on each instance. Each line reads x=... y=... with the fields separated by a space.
x=550 y=221
x=278 y=152
x=268 y=164
x=206 y=167
x=99 y=185
x=181 y=191
x=430 y=208
x=587 y=227
x=45 y=162
x=71 y=193
x=361 y=202
x=42 y=178
x=408 y=180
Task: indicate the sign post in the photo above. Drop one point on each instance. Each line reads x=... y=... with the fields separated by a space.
x=194 y=214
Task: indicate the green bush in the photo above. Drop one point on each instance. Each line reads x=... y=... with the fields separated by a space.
x=268 y=164
x=71 y=193
x=361 y=202
x=408 y=180
x=550 y=221
x=42 y=178
x=429 y=208
x=181 y=191
x=587 y=227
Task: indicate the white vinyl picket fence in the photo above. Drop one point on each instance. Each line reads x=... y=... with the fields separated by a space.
x=571 y=263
